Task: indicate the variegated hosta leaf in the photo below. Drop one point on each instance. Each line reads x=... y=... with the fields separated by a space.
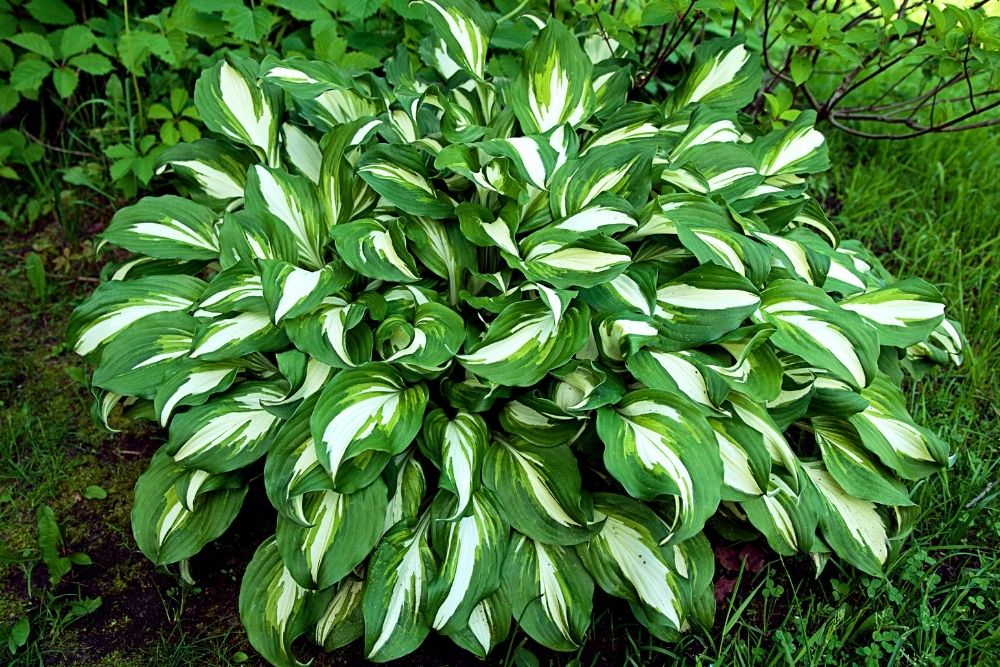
x=704 y=304
x=294 y=202
x=290 y=291
x=228 y=433
x=786 y=518
x=236 y=288
x=235 y=336
x=534 y=157
x=303 y=151
x=757 y=418
x=539 y=490
x=191 y=382
x=724 y=75
x=852 y=526
x=219 y=169
x=746 y=463
x=487 y=625
x=231 y=102
x=117 y=305
x=887 y=430
x=168 y=227
x=539 y=421
x=342 y=621
x=903 y=314
x=471 y=551
x=618 y=169
x=292 y=468
x=399 y=174
x=410 y=488
x=626 y=559
x=426 y=344
x=172 y=519
x=563 y=259
x=333 y=333
x=679 y=372
x=551 y=592
x=274 y=609
x=396 y=596
x=808 y=323
x=797 y=148
x=342 y=530
x=450 y=296
x=465 y=29
x=526 y=341
x=657 y=443
x=369 y=408
x=853 y=467
x=553 y=86
x=136 y=362
x=457 y=446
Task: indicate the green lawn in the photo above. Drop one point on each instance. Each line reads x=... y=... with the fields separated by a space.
x=929 y=207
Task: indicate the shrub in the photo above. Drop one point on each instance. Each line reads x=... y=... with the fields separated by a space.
x=502 y=340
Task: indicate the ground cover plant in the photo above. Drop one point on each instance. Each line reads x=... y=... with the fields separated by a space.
x=451 y=305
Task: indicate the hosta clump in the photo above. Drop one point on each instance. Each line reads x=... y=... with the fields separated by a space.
x=504 y=335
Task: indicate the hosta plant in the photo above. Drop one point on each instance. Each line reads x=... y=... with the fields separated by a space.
x=504 y=337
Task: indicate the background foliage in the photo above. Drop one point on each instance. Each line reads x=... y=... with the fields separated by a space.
x=927 y=205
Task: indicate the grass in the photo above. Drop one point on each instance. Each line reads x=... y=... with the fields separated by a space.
x=928 y=207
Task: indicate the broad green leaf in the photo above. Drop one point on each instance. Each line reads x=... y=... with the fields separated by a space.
x=170 y=526
x=396 y=595
x=274 y=609
x=368 y=408
x=561 y=258
x=342 y=530
x=457 y=446
x=228 y=433
x=553 y=86
x=116 y=305
x=657 y=443
x=551 y=592
x=471 y=552
x=232 y=103
x=526 y=341
x=539 y=490
x=808 y=323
